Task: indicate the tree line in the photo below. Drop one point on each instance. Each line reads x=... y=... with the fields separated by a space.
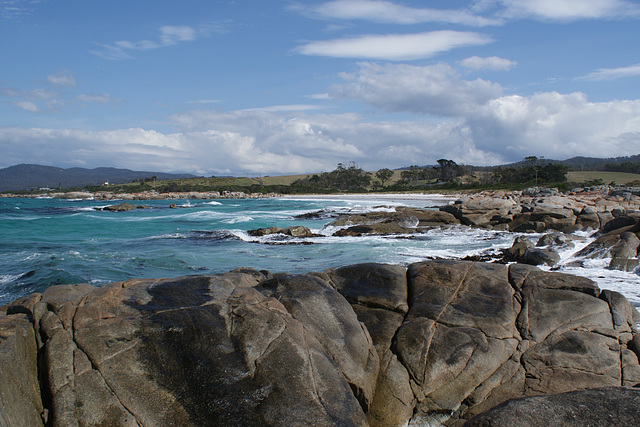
x=447 y=173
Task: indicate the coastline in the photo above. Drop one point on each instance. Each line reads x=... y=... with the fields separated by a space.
x=603 y=198
x=147 y=195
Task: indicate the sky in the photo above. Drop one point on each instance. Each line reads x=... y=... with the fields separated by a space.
x=255 y=87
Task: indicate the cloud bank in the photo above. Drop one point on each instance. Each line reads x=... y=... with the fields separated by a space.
x=469 y=121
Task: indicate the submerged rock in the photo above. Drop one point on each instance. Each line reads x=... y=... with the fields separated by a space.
x=123 y=207
x=369 y=344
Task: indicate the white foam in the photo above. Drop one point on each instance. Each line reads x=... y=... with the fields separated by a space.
x=8 y=278
x=238 y=219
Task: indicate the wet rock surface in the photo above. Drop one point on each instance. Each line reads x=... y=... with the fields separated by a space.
x=369 y=344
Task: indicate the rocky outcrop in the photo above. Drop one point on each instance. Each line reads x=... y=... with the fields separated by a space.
x=527 y=212
x=122 y=207
x=293 y=231
x=369 y=344
x=403 y=220
x=539 y=212
x=618 y=239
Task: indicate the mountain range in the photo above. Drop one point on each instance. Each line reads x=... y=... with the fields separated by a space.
x=29 y=176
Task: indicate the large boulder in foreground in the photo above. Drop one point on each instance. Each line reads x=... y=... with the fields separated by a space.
x=369 y=344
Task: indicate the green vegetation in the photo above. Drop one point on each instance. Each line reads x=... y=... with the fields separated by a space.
x=447 y=175
x=350 y=179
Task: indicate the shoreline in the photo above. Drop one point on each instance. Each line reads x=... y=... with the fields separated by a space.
x=603 y=197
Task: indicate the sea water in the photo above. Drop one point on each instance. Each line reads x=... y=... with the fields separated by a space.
x=45 y=242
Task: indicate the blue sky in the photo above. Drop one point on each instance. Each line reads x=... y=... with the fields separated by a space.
x=248 y=87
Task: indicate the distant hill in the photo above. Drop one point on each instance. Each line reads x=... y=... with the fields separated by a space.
x=590 y=163
x=27 y=177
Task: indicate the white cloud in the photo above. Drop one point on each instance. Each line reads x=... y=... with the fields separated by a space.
x=612 y=73
x=27 y=106
x=102 y=98
x=490 y=63
x=569 y=10
x=434 y=89
x=395 y=47
x=167 y=36
x=173 y=34
x=63 y=78
x=33 y=94
x=33 y=100
x=239 y=142
x=557 y=126
x=389 y=12
x=319 y=96
x=16 y=9
x=499 y=126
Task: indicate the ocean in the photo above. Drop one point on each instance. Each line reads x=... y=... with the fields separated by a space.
x=45 y=242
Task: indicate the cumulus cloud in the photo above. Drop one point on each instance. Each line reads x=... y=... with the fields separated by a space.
x=490 y=129
x=238 y=142
x=395 y=47
x=505 y=127
x=490 y=63
x=168 y=35
x=27 y=106
x=557 y=126
x=612 y=73
x=434 y=89
x=389 y=12
x=569 y=10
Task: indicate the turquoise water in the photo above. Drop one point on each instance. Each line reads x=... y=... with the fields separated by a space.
x=44 y=242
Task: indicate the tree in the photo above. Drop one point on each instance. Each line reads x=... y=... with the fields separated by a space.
x=384 y=175
x=448 y=170
x=343 y=179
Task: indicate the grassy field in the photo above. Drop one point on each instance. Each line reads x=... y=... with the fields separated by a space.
x=606 y=177
x=203 y=184
x=278 y=180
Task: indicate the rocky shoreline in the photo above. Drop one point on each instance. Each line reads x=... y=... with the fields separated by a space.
x=439 y=342
x=612 y=217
